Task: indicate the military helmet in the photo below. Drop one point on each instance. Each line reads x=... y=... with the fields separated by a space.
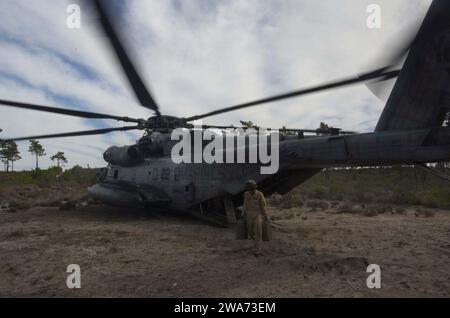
x=250 y=185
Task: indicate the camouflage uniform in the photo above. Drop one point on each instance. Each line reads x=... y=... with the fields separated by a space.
x=255 y=211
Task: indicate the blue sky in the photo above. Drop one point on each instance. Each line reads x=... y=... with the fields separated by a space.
x=196 y=56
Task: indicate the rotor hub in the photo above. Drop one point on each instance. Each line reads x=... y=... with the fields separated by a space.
x=165 y=122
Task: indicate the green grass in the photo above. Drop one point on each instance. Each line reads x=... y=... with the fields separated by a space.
x=391 y=186
x=49 y=187
x=397 y=185
x=76 y=175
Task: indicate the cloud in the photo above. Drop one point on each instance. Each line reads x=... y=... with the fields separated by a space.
x=197 y=56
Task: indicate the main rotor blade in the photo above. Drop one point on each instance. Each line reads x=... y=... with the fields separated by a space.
x=381 y=86
x=140 y=90
x=65 y=111
x=321 y=130
x=284 y=129
x=76 y=133
x=394 y=57
x=379 y=73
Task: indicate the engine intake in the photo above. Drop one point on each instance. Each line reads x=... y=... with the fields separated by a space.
x=126 y=156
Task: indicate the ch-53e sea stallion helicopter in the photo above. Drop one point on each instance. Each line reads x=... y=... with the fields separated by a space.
x=411 y=131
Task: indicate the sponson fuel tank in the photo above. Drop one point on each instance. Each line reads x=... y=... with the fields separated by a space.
x=126 y=156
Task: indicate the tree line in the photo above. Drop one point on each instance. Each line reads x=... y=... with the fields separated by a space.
x=9 y=153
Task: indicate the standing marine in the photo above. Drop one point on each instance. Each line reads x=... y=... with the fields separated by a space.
x=254 y=211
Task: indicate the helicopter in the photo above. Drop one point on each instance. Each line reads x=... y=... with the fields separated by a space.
x=412 y=130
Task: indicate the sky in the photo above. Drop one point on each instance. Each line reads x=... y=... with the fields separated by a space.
x=196 y=56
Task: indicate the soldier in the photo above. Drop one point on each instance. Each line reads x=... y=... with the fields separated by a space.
x=254 y=212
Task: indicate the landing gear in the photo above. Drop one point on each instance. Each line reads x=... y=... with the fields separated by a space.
x=229 y=210
x=219 y=211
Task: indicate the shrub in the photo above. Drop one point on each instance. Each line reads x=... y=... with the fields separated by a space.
x=291 y=200
x=318 y=204
x=80 y=175
x=319 y=192
x=436 y=198
x=401 y=196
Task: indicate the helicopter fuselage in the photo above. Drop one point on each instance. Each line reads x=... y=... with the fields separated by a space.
x=158 y=181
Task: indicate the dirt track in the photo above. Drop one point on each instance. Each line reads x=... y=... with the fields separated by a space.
x=133 y=253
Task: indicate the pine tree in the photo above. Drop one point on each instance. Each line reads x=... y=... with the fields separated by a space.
x=37 y=150
x=59 y=157
x=13 y=154
x=3 y=155
x=9 y=153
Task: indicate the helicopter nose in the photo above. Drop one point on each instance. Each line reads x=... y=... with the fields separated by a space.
x=114 y=196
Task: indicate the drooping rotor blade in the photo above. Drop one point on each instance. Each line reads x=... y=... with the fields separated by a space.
x=218 y=127
x=65 y=111
x=329 y=130
x=379 y=73
x=139 y=88
x=76 y=133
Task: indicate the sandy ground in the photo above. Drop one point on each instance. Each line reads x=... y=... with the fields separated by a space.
x=319 y=253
